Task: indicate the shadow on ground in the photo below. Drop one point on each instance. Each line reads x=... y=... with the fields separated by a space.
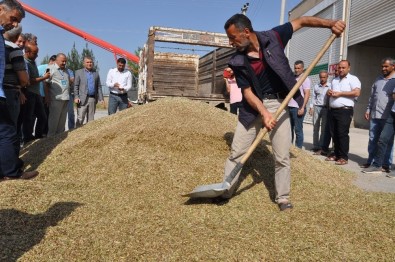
x=34 y=153
x=20 y=231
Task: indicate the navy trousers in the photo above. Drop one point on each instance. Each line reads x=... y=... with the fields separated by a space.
x=10 y=164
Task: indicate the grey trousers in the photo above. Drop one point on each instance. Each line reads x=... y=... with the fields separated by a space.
x=280 y=137
x=87 y=109
x=57 y=117
x=319 y=121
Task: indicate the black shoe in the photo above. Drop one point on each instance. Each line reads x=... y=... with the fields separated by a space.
x=366 y=165
x=385 y=169
x=285 y=206
x=24 y=176
x=325 y=152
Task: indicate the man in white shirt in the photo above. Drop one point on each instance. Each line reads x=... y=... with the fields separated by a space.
x=119 y=81
x=345 y=88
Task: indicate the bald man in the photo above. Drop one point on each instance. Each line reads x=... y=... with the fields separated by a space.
x=57 y=95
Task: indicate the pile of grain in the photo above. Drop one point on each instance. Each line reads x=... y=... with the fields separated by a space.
x=111 y=191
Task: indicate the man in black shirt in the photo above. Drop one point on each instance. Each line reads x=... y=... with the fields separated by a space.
x=263 y=73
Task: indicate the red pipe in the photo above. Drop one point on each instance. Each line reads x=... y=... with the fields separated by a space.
x=86 y=36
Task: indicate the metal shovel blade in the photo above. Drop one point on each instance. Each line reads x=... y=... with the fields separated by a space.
x=208 y=191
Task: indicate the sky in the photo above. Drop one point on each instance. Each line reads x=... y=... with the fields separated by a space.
x=125 y=23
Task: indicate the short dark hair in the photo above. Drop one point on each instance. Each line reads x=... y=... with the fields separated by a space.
x=121 y=60
x=52 y=58
x=299 y=62
x=389 y=59
x=240 y=22
x=12 y=5
x=87 y=58
x=30 y=37
x=345 y=60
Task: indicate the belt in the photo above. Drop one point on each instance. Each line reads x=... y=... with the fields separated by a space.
x=92 y=96
x=116 y=94
x=343 y=107
x=10 y=86
x=271 y=96
x=320 y=106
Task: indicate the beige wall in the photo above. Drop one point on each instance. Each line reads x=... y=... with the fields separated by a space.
x=302 y=8
x=365 y=64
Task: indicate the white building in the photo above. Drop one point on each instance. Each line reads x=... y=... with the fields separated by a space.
x=369 y=37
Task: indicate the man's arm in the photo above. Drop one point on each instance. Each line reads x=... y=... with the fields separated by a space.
x=109 y=82
x=337 y=26
x=306 y=95
x=267 y=118
x=227 y=85
x=46 y=91
x=77 y=81
x=367 y=113
x=305 y=101
x=311 y=110
x=354 y=93
x=23 y=78
x=99 y=89
x=128 y=83
x=35 y=80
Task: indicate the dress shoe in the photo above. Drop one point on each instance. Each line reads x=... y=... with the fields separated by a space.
x=24 y=176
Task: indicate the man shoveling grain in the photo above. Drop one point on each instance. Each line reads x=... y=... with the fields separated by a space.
x=263 y=73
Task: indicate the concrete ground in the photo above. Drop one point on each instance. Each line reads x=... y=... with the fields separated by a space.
x=357 y=155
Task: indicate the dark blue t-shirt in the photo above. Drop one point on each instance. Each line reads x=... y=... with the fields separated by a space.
x=269 y=81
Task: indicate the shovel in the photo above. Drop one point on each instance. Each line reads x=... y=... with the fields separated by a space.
x=215 y=190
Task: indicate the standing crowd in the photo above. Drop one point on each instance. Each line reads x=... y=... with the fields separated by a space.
x=37 y=100
x=332 y=108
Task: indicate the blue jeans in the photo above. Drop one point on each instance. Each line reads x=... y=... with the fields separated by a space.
x=296 y=125
x=70 y=113
x=382 y=153
x=115 y=102
x=378 y=128
x=10 y=163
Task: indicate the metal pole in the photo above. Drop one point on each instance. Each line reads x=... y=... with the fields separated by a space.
x=282 y=12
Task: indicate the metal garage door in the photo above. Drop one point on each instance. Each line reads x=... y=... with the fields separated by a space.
x=369 y=19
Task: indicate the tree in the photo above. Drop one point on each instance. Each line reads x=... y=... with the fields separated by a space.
x=134 y=68
x=74 y=61
x=45 y=60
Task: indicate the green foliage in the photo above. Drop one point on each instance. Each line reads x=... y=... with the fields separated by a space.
x=74 y=61
x=133 y=67
x=45 y=60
